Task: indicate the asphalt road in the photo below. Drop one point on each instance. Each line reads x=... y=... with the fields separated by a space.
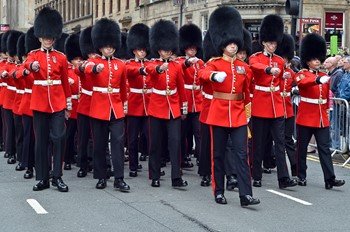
x=84 y=208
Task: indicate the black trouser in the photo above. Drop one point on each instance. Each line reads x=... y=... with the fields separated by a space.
x=100 y=134
x=2 y=134
x=289 y=142
x=10 y=132
x=304 y=134
x=28 y=141
x=239 y=152
x=261 y=128
x=143 y=141
x=269 y=160
x=230 y=165
x=191 y=121
x=136 y=125
x=3 y=127
x=19 y=136
x=173 y=129
x=204 y=168
x=70 y=135
x=49 y=127
x=84 y=133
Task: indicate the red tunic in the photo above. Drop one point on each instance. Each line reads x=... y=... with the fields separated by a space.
x=2 y=83
x=85 y=92
x=24 y=107
x=286 y=88
x=20 y=83
x=207 y=93
x=75 y=91
x=10 y=91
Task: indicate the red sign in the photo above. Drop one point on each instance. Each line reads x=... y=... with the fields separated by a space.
x=334 y=20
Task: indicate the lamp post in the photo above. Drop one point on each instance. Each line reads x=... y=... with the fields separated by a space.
x=181 y=4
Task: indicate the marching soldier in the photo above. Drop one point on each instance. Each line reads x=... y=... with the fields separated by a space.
x=108 y=76
x=51 y=98
x=139 y=92
x=227 y=114
x=312 y=117
x=3 y=59
x=267 y=106
x=168 y=102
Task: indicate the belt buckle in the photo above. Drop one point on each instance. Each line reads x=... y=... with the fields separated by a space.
x=49 y=82
x=320 y=101
x=272 y=88
x=167 y=92
x=144 y=91
x=109 y=89
x=284 y=94
x=195 y=87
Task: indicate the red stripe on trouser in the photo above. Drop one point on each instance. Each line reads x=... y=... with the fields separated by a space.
x=212 y=159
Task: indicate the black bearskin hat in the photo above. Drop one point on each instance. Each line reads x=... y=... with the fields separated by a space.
x=122 y=52
x=85 y=42
x=4 y=41
x=208 y=49
x=31 y=41
x=287 y=47
x=0 y=41
x=313 y=46
x=271 y=29
x=190 y=36
x=12 y=42
x=138 y=38
x=59 y=44
x=48 y=24
x=21 y=51
x=106 y=32
x=164 y=36
x=247 y=43
x=71 y=47
x=225 y=27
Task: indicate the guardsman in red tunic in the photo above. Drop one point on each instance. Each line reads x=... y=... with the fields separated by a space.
x=83 y=110
x=312 y=117
x=74 y=57
x=168 y=102
x=3 y=59
x=139 y=92
x=31 y=43
x=190 y=47
x=9 y=95
x=267 y=105
x=108 y=75
x=286 y=51
x=51 y=98
x=227 y=113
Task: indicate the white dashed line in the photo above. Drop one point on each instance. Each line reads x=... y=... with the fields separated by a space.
x=36 y=206
x=289 y=197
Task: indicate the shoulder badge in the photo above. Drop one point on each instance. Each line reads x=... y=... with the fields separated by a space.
x=240 y=70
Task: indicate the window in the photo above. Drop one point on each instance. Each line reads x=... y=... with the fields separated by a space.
x=78 y=8
x=204 y=22
x=88 y=8
x=137 y=3
x=64 y=11
x=83 y=8
x=118 y=6
x=110 y=6
x=96 y=9
x=73 y=9
x=103 y=7
x=69 y=10
x=127 y=5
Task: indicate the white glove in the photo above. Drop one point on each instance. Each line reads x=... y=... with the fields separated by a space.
x=4 y=74
x=99 y=68
x=35 y=66
x=324 y=79
x=220 y=77
x=286 y=75
x=70 y=81
x=69 y=104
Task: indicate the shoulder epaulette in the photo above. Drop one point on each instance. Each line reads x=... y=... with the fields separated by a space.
x=215 y=58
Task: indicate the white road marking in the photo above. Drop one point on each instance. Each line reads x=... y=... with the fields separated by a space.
x=289 y=197
x=36 y=206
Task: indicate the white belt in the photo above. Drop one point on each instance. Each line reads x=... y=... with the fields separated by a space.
x=47 y=82
x=1 y=84
x=11 y=88
x=87 y=92
x=75 y=97
x=207 y=96
x=164 y=92
x=314 y=101
x=285 y=94
x=4 y=84
x=20 y=91
x=251 y=95
x=106 y=90
x=267 y=89
x=192 y=87
x=144 y=91
x=27 y=90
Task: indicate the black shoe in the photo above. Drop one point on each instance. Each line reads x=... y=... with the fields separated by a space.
x=81 y=173
x=179 y=183
x=6 y=155
x=41 y=185
x=302 y=182
x=155 y=183
x=267 y=170
x=133 y=173
x=231 y=182
x=286 y=182
x=220 y=199
x=101 y=184
x=121 y=185
x=28 y=174
x=58 y=182
x=139 y=167
x=329 y=184
x=257 y=183
x=162 y=173
x=19 y=167
x=205 y=181
x=248 y=200
x=67 y=166
x=187 y=164
x=11 y=159
x=143 y=157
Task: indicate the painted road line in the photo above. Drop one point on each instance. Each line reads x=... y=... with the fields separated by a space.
x=289 y=197
x=36 y=206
